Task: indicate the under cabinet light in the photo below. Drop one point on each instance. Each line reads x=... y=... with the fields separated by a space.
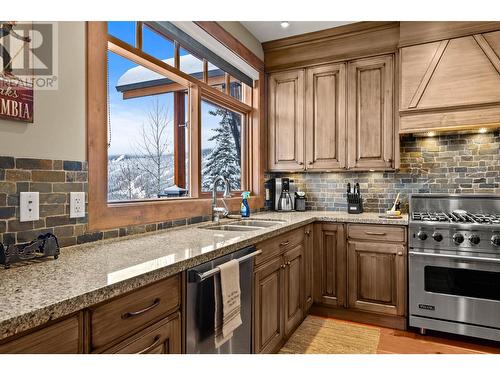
x=483 y=130
x=284 y=24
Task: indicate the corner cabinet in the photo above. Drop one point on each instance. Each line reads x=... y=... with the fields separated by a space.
x=333 y=117
x=370 y=121
x=451 y=83
x=286 y=121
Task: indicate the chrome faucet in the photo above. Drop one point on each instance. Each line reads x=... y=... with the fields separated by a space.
x=216 y=211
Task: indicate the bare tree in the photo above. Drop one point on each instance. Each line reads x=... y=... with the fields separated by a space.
x=153 y=146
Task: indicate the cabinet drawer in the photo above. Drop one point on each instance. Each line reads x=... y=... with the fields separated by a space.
x=62 y=337
x=161 y=338
x=123 y=315
x=377 y=232
x=277 y=245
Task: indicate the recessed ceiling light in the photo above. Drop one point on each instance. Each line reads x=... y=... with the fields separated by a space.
x=284 y=24
x=483 y=130
x=431 y=134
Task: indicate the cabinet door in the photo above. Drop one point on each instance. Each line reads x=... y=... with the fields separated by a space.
x=377 y=277
x=268 y=306
x=308 y=267
x=326 y=117
x=329 y=265
x=370 y=106
x=286 y=121
x=163 y=337
x=294 y=287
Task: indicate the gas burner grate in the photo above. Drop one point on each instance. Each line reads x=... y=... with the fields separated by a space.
x=456 y=217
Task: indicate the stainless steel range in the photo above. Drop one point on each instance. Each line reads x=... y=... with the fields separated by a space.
x=454 y=264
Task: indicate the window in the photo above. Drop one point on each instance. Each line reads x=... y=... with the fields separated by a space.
x=147 y=141
x=221 y=145
x=156 y=133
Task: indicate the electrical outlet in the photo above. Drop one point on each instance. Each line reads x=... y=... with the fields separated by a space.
x=76 y=204
x=29 y=206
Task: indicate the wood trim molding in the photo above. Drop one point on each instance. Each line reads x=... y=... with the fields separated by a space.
x=418 y=32
x=328 y=34
x=348 y=42
x=223 y=36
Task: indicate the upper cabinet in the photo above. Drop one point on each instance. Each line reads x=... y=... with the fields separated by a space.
x=326 y=117
x=286 y=121
x=370 y=113
x=450 y=83
x=348 y=117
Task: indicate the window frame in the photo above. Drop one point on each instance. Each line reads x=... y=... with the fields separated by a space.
x=106 y=215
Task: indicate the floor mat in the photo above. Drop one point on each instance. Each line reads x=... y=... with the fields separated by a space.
x=318 y=335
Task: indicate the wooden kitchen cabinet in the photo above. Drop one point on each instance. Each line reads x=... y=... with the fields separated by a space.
x=293 y=261
x=163 y=337
x=450 y=83
x=268 y=306
x=286 y=121
x=329 y=265
x=325 y=103
x=343 y=119
x=377 y=275
x=370 y=113
x=61 y=337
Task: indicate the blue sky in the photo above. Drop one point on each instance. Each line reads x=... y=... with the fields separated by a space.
x=127 y=116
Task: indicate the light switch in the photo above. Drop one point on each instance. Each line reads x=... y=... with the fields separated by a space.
x=77 y=204
x=29 y=206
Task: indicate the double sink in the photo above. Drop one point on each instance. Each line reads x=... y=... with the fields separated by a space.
x=244 y=225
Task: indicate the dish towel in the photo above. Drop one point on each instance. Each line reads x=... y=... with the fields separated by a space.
x=227 y=302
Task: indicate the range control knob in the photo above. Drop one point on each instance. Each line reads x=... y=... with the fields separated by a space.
x=422 y=235
x=495 y=239
x=458 y=238
x=437 y=236
x=474 y=239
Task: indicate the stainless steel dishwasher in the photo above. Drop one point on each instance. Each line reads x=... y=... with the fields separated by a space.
x=200 y=337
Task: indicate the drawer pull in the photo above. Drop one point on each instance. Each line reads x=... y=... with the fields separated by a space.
x=284 y=243
x=156 y=341
x=127 y=315
x=307 y=232
x=288 y=263
x=400 y=253
x=376 y=233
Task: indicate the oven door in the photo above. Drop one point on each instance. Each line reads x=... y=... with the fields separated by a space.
x=455 y=288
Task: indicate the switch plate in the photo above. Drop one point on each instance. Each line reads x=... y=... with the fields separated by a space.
x=29 y=206
x=77 y=204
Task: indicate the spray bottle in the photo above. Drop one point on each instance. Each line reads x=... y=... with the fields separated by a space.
x=245 y=208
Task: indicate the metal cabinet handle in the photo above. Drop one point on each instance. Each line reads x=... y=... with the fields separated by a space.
x=301 y=163
x=156 y=341
x=307 y=232
x=400 y=253
x=284 y=243
x=288 y=263
x=127 y=315
x=282 y=266
x=310 y=163
x=376 y=233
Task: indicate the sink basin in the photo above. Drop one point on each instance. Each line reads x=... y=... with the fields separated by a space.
x=232 y=228
x=244 y=225
x=258 y=223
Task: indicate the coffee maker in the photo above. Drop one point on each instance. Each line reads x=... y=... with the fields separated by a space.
x=280 y=194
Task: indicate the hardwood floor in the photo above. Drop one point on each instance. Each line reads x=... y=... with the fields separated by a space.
x=390 y=341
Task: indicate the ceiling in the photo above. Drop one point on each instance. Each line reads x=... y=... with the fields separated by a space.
x=270 y=30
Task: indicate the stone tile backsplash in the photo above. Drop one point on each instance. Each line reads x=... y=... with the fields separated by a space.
x=458 y=163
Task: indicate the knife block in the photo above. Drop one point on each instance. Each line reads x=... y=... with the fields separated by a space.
x=354 y=203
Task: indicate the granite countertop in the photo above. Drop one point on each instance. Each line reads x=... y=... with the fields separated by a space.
x=88 y=274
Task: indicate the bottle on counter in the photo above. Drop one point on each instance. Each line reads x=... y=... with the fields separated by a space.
x=245 y=208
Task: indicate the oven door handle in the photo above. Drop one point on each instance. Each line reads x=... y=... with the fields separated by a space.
x=457 y=257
